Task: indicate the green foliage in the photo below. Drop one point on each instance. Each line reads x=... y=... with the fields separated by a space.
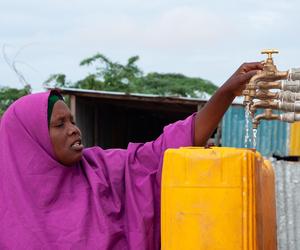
x=9 y=95
x=173 y=84
x=113 y=76
x=128 y=78
x=59 y=79
x=110 y=76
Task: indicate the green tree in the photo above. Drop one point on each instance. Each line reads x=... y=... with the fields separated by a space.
x=111 y=76
x=9 y=95
x=129 y=78
x=59 y=79
x=174 y=84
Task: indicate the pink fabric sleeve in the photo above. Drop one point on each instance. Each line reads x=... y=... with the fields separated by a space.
x=143 y=182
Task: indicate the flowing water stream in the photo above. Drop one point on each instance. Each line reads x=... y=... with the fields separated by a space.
x=248 y=142
x=247 y=116
x=254 y=132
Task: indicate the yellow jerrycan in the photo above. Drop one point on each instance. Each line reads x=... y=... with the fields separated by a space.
x=217 y=198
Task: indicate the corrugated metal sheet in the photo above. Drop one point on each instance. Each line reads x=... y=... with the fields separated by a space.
x=131 y=96
x=113 y=124
x=287 y=176
x=294 y=147
x=272 y=136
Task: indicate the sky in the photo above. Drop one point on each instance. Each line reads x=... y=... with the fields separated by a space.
x=197 y=38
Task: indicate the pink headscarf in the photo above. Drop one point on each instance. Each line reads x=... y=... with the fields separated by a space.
x=108 y=200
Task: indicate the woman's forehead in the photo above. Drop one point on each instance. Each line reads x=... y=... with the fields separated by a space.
x=60 y=109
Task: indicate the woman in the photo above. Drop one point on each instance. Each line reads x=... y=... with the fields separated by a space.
x=56 y=195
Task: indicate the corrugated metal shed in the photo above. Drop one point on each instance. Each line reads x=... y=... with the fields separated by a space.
x=112 y=119
x=272 y=136
x=287 y=176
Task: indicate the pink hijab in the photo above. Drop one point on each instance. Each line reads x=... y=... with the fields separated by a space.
x=108 y=200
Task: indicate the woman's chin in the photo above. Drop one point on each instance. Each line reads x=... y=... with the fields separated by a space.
x=72 y=161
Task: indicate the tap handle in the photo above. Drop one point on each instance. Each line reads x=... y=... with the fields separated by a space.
x=269 y=52
x=294 y=74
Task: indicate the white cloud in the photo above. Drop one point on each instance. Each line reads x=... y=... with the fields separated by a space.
x=186 y=28
x=199 y=38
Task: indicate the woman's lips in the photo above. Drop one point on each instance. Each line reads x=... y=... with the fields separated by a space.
x=77 y=146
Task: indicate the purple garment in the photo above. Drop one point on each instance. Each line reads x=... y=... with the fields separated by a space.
x=109 y=200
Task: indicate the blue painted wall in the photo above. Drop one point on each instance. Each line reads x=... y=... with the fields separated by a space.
x=272 y=136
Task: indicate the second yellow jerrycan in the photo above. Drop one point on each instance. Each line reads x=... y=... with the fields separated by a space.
x=217 y=198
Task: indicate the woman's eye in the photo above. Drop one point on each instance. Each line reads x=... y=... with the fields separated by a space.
x=60 y=125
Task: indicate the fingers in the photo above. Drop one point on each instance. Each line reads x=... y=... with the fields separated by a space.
x=247 y=76
x=249 y=69
x=237 y=82
x=251 y=66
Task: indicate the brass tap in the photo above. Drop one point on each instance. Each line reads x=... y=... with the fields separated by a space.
x=278 y=105
x=269 y=85
x=268 y=74
x=267 y=115
x=258 y=95
x=266 y=104
x=265 y=95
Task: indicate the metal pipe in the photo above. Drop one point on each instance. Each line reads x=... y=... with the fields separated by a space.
x=288 y=96
x=270 y=104
x=293 y=86
x=289 y=106
x=289 y=117
x=294 y=74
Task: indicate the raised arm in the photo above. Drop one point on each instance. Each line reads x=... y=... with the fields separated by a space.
x=209 y=116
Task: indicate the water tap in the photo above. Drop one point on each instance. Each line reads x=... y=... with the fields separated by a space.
x=265 y=78
x=257 y=94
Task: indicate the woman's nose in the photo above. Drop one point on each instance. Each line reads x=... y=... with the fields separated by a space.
x=73 y=129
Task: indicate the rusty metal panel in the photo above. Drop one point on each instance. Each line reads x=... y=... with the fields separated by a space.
x=272 y=136
x=287 y=176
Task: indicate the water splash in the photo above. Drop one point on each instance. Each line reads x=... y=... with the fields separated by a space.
x=254 y=131
x=247 y=116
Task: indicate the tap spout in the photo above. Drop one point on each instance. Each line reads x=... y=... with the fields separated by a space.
x=264 y=95
x=280 y=75
x=269 y=76
x=269 y=85
x=267 y=115
x=266 y=104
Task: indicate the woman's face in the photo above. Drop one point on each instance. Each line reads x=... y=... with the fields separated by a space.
x=65 y=135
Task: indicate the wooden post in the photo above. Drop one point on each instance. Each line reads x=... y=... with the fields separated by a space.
x=73 y=106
